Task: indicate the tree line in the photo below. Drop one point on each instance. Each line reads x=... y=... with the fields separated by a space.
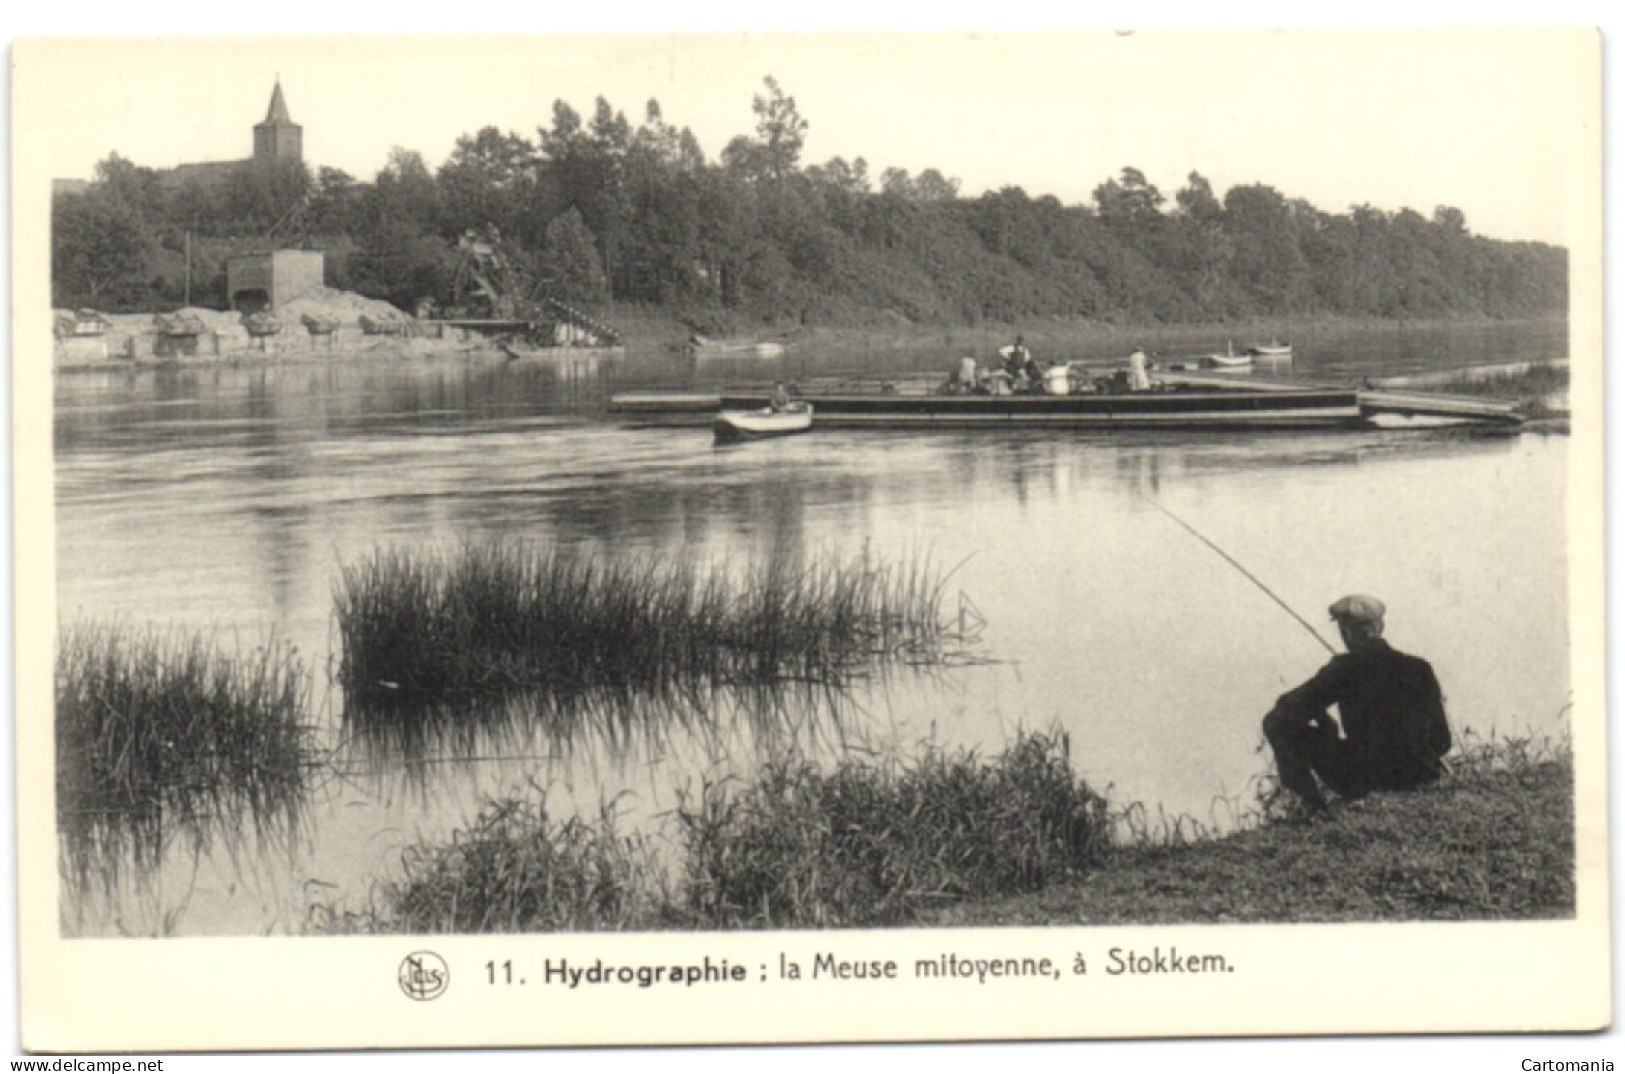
x=598 y=209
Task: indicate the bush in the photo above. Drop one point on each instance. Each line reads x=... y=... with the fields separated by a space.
x=875 y=844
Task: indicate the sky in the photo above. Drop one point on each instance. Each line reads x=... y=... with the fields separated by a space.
x=1482 y=120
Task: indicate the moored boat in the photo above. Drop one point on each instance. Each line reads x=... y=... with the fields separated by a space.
x=1227 y=361
x=1269 y=350
x=758 y=423
x=705 y=350
x=1230 y=361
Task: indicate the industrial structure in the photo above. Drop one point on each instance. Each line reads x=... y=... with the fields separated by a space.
x=269 y=279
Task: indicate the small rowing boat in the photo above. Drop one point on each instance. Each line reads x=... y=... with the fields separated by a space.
x=706 y=350
x=733 y=425
x=1237 y=362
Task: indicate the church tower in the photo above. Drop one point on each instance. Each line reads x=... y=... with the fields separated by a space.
x=279 y=138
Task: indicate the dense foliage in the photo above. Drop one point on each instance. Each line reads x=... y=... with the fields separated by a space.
x=596 y=209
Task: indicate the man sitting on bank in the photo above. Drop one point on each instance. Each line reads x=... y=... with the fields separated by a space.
x=1392 y=713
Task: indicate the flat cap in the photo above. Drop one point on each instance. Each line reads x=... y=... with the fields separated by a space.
x=1358 y=608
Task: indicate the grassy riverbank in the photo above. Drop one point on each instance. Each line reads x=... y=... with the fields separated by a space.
x=1009 y=840
x=1492 y=841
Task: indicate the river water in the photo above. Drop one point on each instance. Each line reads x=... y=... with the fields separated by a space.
x=227 y=501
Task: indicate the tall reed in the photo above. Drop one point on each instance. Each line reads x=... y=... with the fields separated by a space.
x=419 y=628
x=160 y=735
x=515 y=869
x=879 y=843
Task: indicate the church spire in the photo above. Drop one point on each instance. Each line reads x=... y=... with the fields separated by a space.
x=279 y=138
x=278 y=112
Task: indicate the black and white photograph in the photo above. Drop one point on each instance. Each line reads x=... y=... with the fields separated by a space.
x=720 y=538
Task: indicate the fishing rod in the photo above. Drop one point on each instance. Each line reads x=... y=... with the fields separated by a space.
x=1249 y=575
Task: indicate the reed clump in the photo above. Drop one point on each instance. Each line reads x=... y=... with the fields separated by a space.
x=160 y=735
x=869 y=842
x=485 y=619
x=878 y=843
x=516 y=869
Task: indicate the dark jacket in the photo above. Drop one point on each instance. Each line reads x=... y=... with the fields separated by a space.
x=1391 y=709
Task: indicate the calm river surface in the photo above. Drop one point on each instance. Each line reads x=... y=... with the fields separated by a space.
x=228 y=500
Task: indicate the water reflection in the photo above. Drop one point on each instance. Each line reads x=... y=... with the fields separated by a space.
x=322 y=401
x=617 y=727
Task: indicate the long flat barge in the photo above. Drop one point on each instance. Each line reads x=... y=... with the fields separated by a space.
x=1175 y=408
x=1193 y=404
x=1161 y=409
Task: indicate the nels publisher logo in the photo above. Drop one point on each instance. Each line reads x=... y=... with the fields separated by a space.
x=423 y=975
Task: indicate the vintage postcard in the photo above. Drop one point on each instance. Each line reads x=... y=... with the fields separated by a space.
x=738 y=538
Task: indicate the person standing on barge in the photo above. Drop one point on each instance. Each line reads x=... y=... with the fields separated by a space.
x=1139 y=378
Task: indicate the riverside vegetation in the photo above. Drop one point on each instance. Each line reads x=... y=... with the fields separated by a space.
x=498 y=649
x=163 y=736
x=483 y=644
x=499 y=617
x=612 y=213
x=1493 y=840
x=862 y=844
x=955 y=839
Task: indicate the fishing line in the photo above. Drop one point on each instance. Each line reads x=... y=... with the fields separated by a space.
x=1249 y=575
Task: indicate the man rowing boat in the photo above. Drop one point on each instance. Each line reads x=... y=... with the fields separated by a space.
x=779 y=401
x=1394 y=731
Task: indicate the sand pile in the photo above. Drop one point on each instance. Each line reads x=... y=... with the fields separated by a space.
x=211 y=319
x=346 y=307
x=129 y=323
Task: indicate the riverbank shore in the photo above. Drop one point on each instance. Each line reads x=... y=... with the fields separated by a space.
x=323 y=327
x=369 y=330
x=1493 y=840
x=463 y=347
